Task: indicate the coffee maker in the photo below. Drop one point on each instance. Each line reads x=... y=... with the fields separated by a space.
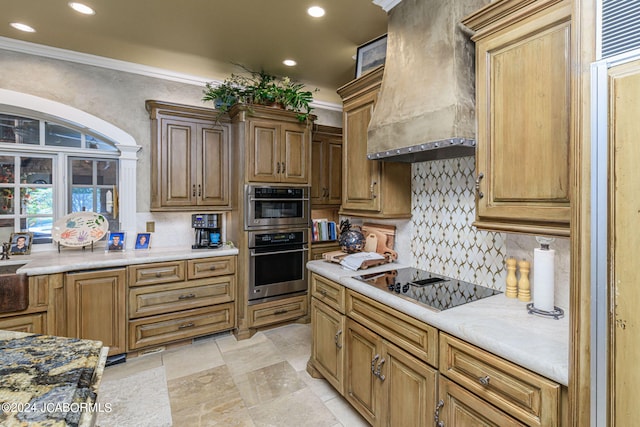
x=208 y=228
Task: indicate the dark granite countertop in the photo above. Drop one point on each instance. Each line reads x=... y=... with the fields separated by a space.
x=47 y=380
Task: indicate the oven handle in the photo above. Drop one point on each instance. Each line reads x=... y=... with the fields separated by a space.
x=266 y=199
x=252 y=252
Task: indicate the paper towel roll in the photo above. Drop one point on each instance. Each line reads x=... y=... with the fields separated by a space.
x=543 y=279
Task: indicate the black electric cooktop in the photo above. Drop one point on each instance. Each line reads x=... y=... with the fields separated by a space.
x=434 y=291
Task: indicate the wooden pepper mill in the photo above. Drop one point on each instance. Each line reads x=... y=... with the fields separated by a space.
x=512 y=281
x=524 y=287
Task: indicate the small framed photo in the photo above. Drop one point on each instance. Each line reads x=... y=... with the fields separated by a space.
x=371 y=55
x=116 y=241
x=20 y=243
x=143 y=240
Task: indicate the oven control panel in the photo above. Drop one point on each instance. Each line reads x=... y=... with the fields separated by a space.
x=286 y=237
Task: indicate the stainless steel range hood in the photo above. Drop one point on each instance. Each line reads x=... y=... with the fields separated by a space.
x=426 y=106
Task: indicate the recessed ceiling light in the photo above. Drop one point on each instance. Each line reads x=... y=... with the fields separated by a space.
x=23 y=27
x=315 y=11
x=289 y=62
x=82 y=8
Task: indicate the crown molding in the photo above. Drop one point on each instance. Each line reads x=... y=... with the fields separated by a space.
x=387 y=5
x=117 y=65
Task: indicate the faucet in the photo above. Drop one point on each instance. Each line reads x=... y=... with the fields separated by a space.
x=5 y=250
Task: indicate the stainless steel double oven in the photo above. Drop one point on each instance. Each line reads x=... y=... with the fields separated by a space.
x=277 y=222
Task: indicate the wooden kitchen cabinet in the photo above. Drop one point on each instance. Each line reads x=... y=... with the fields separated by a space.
x=387 y=385
x=177 y=300
x=326 y=166
x=96 y=307
x=520 y=396
x=524 y=57
x=328 y=328
x=278 y=146
x=191 y=158
x=370 y=188
x=35 y=323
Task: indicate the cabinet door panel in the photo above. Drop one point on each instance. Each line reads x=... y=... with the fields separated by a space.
x=264 y=152
x=361 y=176
x=96 y=307
x=294 y=164
x=318 y=187
x=361 y=386
x=524 y=124
x=409 y=389
x=178 y=166
x=328 y=337
x=214 y=166
x=462 y=408
x=29 y=323
x=334 y=173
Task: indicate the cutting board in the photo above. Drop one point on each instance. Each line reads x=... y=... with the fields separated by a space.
x=380 y=238
x=336 y=256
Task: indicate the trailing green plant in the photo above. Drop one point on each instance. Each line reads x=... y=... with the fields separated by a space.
x=260 y=87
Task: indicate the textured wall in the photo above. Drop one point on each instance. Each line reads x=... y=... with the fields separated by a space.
x=119 y=98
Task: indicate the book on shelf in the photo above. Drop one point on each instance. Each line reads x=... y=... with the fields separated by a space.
x=323 y=229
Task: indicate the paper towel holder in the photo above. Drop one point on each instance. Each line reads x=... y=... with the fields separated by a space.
x=557 y=313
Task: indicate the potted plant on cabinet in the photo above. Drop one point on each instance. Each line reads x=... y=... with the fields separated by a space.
x=259 y=87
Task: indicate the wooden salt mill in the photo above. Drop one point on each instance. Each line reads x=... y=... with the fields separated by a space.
x=512 y=282
x=524 y=287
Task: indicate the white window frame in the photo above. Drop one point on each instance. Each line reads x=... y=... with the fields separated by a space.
x=17 y=103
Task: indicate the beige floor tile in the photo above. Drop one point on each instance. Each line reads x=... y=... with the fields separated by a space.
x=210 y=414
x=214 y=386
x=230 y=343
x=187 y=360
x=268 y=383
x=302 y=408
x=320 y=387
x=345 y=413
x=246 y=359
x=132 y=366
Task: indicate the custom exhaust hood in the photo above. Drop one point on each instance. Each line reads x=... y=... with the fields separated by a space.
x=426 y=105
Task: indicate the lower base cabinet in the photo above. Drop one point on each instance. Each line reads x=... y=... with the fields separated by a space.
x=387 y=385
x=385 y=365
x=96 y=307
x=282 y=310
x=29 y=323
x=162 y=329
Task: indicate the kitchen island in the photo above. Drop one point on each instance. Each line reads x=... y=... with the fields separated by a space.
x=49 y=380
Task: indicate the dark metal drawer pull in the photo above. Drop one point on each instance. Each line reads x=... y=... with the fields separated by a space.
x=283 y=311
x=187 y=296
x=187 y=325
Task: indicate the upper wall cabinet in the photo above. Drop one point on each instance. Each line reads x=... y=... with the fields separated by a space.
x=524 y=111
x=190 y=158
x=370 y=188
x=278 y=146
x=326 y=166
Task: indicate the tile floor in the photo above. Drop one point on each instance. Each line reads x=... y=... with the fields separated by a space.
x=219 y=381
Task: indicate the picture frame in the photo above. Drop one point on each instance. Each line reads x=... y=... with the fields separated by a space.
x=116 y=241
x=20 y=243
x=143 y=241
x=371 y=55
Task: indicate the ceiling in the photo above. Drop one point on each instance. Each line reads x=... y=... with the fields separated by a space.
x=205 y=38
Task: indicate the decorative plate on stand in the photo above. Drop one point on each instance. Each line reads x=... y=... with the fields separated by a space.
x=79 y=229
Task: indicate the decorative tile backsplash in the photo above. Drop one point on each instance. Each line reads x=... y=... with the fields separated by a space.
x=444 y=241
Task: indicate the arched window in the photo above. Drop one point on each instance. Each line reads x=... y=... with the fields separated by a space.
x=51 y=166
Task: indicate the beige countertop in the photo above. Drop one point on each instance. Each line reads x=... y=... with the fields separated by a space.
x=496 y=324
x=71 y=259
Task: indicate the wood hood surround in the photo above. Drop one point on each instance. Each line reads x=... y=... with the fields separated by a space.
x=426 y=106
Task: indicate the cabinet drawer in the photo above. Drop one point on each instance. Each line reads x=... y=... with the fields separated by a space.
x=157 y=330
x=410 y=334
x=160 y=299
x=156 y=273
x=210 y=267
x=526 y=396
x=329 y=292
x=31 y=323
x=277 y=311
